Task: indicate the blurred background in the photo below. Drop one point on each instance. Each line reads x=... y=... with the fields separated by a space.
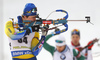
x=77 y=9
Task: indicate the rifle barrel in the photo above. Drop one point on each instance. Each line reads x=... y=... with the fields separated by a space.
x=76 y=20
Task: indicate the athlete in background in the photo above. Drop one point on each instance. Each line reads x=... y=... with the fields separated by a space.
x=75 y=38
x=62 y=51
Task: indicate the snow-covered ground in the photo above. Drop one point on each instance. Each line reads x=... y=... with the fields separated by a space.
x=77 y=9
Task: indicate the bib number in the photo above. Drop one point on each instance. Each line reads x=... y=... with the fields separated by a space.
x=23 y=40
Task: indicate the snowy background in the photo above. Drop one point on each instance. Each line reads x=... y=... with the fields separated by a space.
x=77 y=9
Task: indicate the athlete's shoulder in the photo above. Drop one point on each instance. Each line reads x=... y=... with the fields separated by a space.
x=9 y=28
x=8 y=24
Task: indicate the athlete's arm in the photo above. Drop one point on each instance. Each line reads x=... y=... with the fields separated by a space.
x=38 y=47
x=47 y=46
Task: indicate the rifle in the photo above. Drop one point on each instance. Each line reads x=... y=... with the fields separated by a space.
x=94 y=41
x=40 y=21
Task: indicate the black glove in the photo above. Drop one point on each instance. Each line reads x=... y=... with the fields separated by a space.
x=45 y=30
x=31 y=29
x=35 y=28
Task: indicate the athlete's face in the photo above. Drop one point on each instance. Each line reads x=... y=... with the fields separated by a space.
x=60 y=48
x=75 y=39
x=31 y=18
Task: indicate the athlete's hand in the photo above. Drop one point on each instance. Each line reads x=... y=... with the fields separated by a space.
x=79 y=49
x=91 y=43
x=45 y=30
x=31 y=29
x=35 y=28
